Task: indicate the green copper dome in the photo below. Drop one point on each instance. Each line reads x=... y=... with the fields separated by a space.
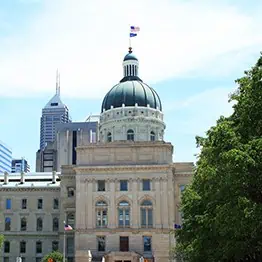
x=130 y=91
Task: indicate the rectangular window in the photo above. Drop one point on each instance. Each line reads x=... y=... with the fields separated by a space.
x=147 y=244
x=101 y=243
x=123 y=185
x=70 y=192
x=182 y=188
x=70 y=245
x=8 y=204
x=38 y=247
x=6 y=259
x=23 y=247
x=40 y=203
x=55 y=245
x=7 y=247
x=56 y=203
x=7 y=224
x=146 y=185
x=124 y=244
x=38 y=259
x=24 y=204
x=101 y=185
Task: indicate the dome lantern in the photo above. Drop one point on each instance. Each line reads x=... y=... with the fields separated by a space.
x=130 y=64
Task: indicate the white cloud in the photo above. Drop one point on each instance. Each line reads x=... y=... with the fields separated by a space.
x=87 y=40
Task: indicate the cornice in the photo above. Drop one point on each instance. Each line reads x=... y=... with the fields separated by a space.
x=184 y=174
x=29 y=189
x=127 y=168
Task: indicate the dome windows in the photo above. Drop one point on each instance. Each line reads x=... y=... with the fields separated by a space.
x=130 y=135
x=109 y=137
x=152 y=136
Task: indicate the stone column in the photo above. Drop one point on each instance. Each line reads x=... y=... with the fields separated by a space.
x=171 y=202
x=89 y=203
x=158 y=212
x=112 y=208
x=135 y=206
x=165 y=203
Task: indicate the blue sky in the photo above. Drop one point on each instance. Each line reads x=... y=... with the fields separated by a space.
x=190 y=52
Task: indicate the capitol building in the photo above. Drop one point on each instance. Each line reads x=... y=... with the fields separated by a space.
x=120 y=192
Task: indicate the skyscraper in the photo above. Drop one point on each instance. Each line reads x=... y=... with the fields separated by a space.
x=5 y=158
x=20 y=165
x=53 y=113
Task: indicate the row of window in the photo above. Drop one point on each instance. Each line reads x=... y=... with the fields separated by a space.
x=38 y=247
x=101 y=186
x=24 y=203
x=124 y=217
x=39 y=224
x=124 y=244
x=130 y=136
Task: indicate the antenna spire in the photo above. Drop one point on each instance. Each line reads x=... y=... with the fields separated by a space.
x=57 y=82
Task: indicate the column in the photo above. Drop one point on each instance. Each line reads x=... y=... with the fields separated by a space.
x=89 y=203
x=112 y=208
x=135 y=206
x=164 y=203
x=157 y=210
x=171 y=200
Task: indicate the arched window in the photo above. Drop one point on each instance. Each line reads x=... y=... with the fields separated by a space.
x=38 y=247
x=124 y=214
x=71 y=219
x=130 y=135
x=39 y=224
x=7 y=224
x=101 y=214
x=152 y=136
x=146 y=209
x=109 y=137
x=23 y=224
x=56 y=224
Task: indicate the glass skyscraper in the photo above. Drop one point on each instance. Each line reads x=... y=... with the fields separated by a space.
x=53 y=113
x=5 y=158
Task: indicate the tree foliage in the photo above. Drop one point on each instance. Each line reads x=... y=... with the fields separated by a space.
x=55 y=255
x=223 y=206
x=1 y=240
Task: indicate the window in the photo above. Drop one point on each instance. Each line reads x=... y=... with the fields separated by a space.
x=56 y=224
x=101 y=243
x=101 y=214
x=124 y=244
x=109 y=137
x=146 y=213
x=130 y=135
x=147 y=244
x=70 y=245
x=24 y=204
x=38 y=259
x=101 y=185
x=38 y=247
x=39 y=224
x=6 y=247
x=22 y=247
x=56 y=204
x=8 y=204
x=124 y=214
x=152 y=136
x=40 y=203
x=55 y=245
x=146 y=185
x=182 y=188
x=123 y=185
x=7 y=224
x=71 y=219
x=70 y=192
x=23 y=223
x=6 y=259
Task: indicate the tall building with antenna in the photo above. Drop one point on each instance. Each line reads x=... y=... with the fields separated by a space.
x=53 y=113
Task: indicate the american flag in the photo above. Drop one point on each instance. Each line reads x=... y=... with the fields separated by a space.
x=134 y=29
x=68 y=228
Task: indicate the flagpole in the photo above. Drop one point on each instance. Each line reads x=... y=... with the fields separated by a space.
x=64 y=243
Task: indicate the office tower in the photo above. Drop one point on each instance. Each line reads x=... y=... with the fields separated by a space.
x=5 y=158
x=20 y=165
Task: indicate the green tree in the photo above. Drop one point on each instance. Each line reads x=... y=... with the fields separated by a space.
x=1 y=240
x=223 y=206
x=55 y=255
